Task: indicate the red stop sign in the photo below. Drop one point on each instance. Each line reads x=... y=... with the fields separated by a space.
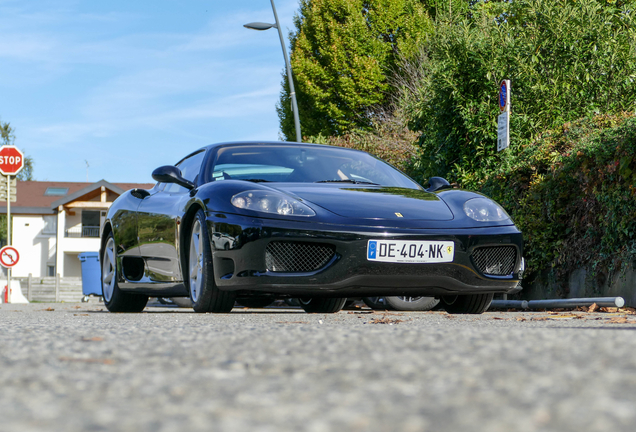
x=11 y=160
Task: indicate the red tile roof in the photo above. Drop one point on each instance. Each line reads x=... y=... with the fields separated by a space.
x=30 y=194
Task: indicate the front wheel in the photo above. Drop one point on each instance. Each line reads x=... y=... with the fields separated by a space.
x=114 y=298
x=376 y=303
x=467 y=304
x=412 y=303
x=205 y=295
x=322 y=305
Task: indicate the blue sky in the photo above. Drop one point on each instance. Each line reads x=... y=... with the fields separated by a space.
x=129 y=86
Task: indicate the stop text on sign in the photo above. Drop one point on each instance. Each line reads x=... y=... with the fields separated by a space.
x=10 y=160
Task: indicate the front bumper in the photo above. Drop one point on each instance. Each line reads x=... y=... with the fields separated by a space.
x=240 y=264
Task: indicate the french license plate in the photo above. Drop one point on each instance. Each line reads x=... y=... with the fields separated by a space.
x=401 y=251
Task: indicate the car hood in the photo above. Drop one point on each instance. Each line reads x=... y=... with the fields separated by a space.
x=372 y=202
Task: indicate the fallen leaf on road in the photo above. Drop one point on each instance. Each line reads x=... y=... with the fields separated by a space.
x=80 y=315
x=619 y=320
x=49 y=309
x=521 y=319
x=385 y=320
x=92 y=339
x=592 y=308
x=539 y=319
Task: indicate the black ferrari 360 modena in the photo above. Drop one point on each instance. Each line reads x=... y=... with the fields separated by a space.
x=257 y=221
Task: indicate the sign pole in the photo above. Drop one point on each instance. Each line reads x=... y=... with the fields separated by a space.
x=11 y=162
x=8 y=235
x=8 y=209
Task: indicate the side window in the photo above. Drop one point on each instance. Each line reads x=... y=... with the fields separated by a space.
x=190 y=169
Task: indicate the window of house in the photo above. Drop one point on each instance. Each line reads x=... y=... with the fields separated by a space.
x=56 y=191
x=90 y=223
x=50 y=270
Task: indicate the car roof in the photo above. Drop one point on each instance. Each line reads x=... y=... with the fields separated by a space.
x=290 y=143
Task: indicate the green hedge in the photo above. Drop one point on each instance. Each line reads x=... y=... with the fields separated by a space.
x=573 y=195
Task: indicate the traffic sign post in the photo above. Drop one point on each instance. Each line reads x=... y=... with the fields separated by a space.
x=9 y=256
x=11 y=162
x=503 y=121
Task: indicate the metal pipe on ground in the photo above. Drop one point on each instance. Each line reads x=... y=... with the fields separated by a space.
x=558 y=303
x=577 y=302
x=509 y=304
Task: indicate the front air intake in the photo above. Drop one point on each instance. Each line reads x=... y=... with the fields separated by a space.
x=495 y=260
x=297 y=257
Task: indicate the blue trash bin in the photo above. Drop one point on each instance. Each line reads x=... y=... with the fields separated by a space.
x=91 y=274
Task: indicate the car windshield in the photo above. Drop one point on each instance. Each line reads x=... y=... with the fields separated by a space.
x=305 y=164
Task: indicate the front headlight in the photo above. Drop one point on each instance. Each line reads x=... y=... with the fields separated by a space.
x=484 y=210
x=271 y=202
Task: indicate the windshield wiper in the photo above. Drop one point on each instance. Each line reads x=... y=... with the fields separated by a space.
x=347 y=181
x=256 y=180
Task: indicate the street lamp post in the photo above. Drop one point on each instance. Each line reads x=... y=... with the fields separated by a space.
x=265 y=26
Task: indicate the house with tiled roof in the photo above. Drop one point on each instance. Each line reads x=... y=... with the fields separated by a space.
x=53 y=222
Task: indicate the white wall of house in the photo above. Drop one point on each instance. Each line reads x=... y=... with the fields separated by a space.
x=73 y=222
x=34 y=238
x=72 y=265
x=44 y=248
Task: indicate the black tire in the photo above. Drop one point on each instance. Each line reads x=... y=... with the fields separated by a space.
x=467 y=304
x=376 y=303
x=412 y=303
x=199 y=277
x=115 y=299
x=255 y=302
x=322 y=305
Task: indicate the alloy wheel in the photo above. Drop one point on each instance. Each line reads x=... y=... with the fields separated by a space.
x=196 y=261
x=409 y=299
x=108 y=269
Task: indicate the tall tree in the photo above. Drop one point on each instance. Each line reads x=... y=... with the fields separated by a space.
x=342 y=52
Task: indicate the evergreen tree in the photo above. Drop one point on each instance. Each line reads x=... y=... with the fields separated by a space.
x=342 y=53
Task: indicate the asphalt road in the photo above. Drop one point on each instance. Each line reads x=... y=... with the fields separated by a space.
x=76 y=367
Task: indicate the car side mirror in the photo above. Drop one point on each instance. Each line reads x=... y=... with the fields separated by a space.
x=438 y=183
x=171 y=174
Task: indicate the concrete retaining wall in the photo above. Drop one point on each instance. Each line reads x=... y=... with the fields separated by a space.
x=583 y=283
x=52 y=289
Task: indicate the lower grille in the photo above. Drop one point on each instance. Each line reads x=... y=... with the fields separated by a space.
x=495 y=260
x=297 y=257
